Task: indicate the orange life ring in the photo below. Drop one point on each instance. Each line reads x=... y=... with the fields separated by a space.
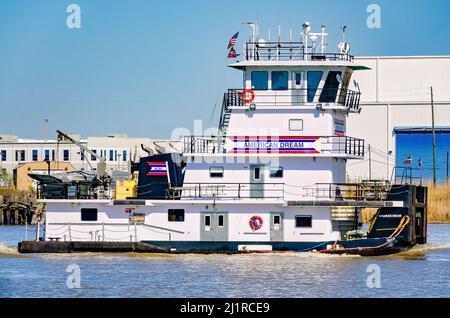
x=244 y=95
x=255 y=222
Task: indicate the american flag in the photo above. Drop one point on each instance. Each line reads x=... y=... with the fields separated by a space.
x=233 y=40
x=408 y=160
x=232 y=53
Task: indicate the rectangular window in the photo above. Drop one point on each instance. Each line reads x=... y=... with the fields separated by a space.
x=3 y=155
x=260 y=80
x=295 y=124
x=207 y=220
x=66 y=156
x=82 y=155
x=34 y=155
x=303 y=221
x=53 y=155
x=314 y=78
x=276 y=220
x=216 y=172
x=330 y=88
x=279 y=80
x=111 y=155
x=220 y=220
x=20 y=155
x=257 y=173
x=298 y=79
x=47 y=155
x=89 y=214
x=124 y=155
x=93 y=158
x=176 y=215
x=276 y=172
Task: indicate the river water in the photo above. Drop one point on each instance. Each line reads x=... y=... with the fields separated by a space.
x=421 y=272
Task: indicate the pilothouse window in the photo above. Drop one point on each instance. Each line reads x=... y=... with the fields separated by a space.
x=314 y=78
x=330 y=88
x=260 y=80
x=279 y=80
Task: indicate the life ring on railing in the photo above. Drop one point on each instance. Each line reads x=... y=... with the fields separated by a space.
x=249 y=99
x=255 y=222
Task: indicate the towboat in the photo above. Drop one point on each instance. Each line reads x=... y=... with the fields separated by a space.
x=272 y=179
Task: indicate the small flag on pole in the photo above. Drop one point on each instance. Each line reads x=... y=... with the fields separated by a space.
x=233 y=54
x=408 y=160
x=233 y=40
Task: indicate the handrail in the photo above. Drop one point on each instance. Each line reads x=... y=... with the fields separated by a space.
x=289 y=51
x=329 y=144
x=347 y=98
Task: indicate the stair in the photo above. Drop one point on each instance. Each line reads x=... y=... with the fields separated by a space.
x=225 y=122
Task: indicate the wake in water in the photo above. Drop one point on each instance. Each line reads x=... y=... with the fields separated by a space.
x=7 y=251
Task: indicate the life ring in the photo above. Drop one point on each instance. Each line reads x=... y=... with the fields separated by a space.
x=255 y=222
x=248 y=99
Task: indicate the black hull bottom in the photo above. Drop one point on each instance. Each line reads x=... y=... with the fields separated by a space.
x=363 y=247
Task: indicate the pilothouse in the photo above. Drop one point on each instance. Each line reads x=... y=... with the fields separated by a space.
x=273 y=178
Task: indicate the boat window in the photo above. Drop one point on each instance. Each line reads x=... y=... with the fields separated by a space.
x=257 y=173
x=314 y=78
x=260 y=80
x=330 y=88
x=276 y=220
x=216 y=172
x=276 y=172
x=279 y=80
x=176 y=215
x=89 y=214
x=220 y=220
x=207 y=220
x=137 y=218
x=303 y=221
x=295 y=124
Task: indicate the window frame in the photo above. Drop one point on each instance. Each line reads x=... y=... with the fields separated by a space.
x=34 y=155
x=265 y=87
x=220 y=216
x=183 y=215
x=303 y=216
x=296 y=120
x=283 y=88
x=279 y=219
x=218 y=176
x=207 y=217
x=279 y=168
x=64 y=155
x=3 y=155
x=83 y=211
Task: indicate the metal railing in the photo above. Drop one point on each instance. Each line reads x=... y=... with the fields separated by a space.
x=333 y=145
x=294 y=97
x=286 y=51
x=228 y=191
x=347 y=192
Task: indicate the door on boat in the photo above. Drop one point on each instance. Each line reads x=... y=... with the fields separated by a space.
x=214 y=227
x=256 y=181
x=298 y=88
x=276 y=227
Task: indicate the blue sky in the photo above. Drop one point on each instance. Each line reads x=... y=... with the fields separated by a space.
x=146 y=67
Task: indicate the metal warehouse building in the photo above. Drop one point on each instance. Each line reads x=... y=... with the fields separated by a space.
x=396 y=114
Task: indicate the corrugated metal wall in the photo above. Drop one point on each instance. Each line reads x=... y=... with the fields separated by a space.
x=396 y=93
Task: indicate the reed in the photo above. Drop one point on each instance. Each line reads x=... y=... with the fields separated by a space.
x=438 y=205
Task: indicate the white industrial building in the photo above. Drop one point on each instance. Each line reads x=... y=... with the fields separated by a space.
x=118 y=149
x=396 y=94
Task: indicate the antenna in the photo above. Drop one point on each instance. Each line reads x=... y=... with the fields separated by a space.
x=343 y=29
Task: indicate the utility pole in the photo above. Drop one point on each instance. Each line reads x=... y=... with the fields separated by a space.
x=370 y=164
x=434 y=137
